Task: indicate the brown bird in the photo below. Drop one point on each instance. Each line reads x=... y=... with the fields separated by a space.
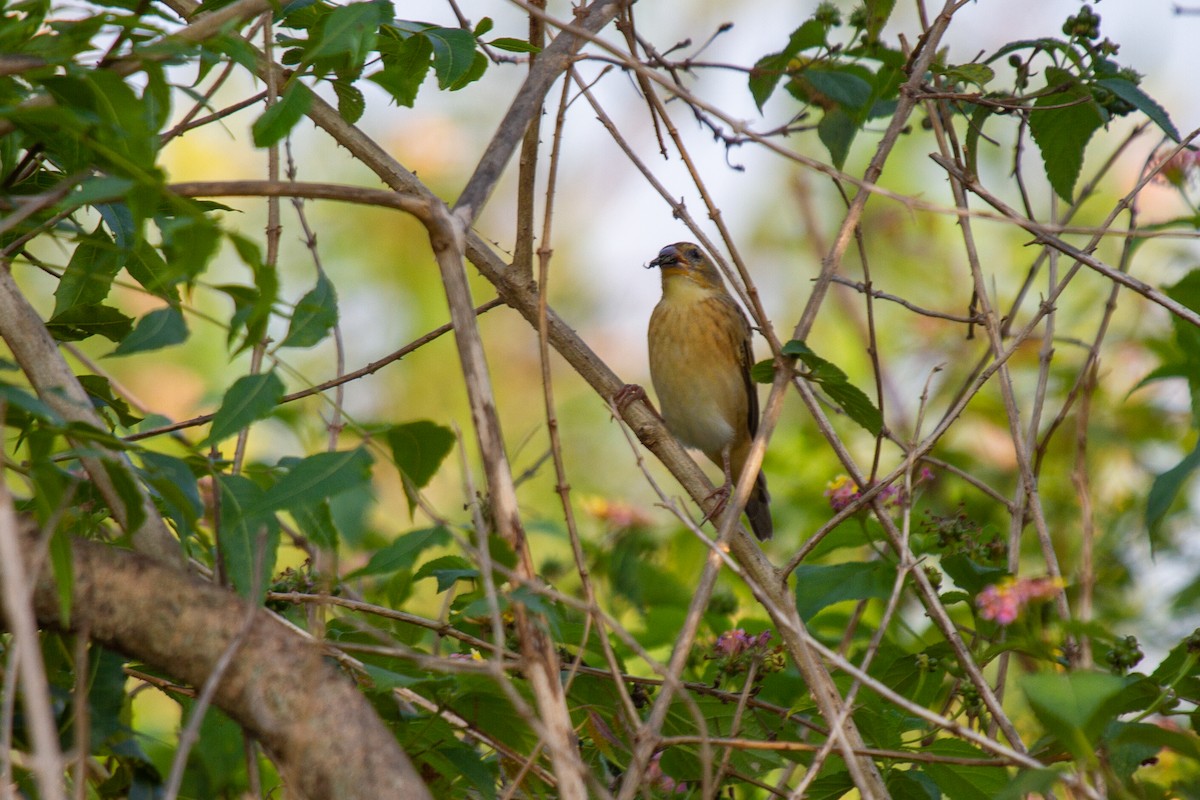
x=700 y=357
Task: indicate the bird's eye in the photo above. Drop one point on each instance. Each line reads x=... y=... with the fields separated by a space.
x=694 y=252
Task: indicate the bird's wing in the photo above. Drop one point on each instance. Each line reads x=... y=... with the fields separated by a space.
x=747 y=357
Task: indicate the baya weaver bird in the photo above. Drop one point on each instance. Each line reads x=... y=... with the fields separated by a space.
x=700 y=357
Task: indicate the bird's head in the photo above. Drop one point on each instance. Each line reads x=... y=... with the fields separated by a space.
x=686 y=260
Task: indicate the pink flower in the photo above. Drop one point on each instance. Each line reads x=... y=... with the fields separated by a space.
x=735 y=642
x=616 y=513
x=1002 y=602
x=1179 y=169
x=841 y=492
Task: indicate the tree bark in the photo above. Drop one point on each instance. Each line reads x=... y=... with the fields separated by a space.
x=321 y=731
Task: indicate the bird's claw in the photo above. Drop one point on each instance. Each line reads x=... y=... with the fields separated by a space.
x=628 y=394
x=721 y=495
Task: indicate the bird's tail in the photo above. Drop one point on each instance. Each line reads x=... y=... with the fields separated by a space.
x=758 y=509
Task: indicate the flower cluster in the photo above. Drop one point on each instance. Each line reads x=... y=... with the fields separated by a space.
x=735 y=642
x=621 y=516
x=842 y=491
x=1002 y=602
x=735 y=650
x=656 y=777
x=1178 y=170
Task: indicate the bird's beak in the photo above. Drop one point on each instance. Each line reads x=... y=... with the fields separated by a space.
x=667 y=257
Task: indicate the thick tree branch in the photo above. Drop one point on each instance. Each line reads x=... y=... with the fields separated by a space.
x=321 y=731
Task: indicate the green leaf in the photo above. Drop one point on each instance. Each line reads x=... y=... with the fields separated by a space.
x=314 y=317
x=770 y=69
x=156 y=330
x=837 y=130
x=351 y=103
x=61 y=560
x=514 y=45
x=484 y=26
x=418 y=449
x=448 y=570
x=320 y=475
x=189 y=241
x=315 y=521
x=80 y=322
x=278 y=120
x=405 y=64
x=246 y=537
x=835 y=383
x=1131 y=93
x=174 y=485
x=468 y=762
x=402 y=553
x=1164 y=490
x=100 y=392
x=820 y=585
x=127 y=491
x=842 y=86
x=763 y=371
x=1074 y=707
x=156 y=276
x=969 y=575
x=251 y=398
x=347 y=36
x=453 y=54
x=1027 y=783
x=960 y=781
x=1062 y=134
x=979 y=74
x=89 y=274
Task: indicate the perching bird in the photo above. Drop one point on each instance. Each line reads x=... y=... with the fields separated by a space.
x=700 y=357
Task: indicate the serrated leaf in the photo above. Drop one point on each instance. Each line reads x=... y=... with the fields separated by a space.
x=351 y=102
x=89 y=274
x=246 y=538
x=820 y=585
x=316 y=476
x=80 y=322
x=840 y=85
x=347 y=34
x=479 y=65
x=100 y=392
x=402 y=553
x=314 y=317
x=1131 y=93
x=837 y=130
x=155 y=275
x=979 y=74
x=156 y=330
x=448 y=570
x=189 y=241
x=770 y=69
x=278 y=120
x=405 y=64
x=248 y=400
x=418 y=449
x=1163 y=491
x=453 y=54
x=853 y=400
x=763 y=372
x=971 y=575
x=1063 y=131
x=176 y=489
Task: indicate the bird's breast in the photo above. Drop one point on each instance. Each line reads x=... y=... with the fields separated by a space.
x=696 y=340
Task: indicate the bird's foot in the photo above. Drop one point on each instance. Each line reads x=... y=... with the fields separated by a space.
x=629 y=394
x=720 y=496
